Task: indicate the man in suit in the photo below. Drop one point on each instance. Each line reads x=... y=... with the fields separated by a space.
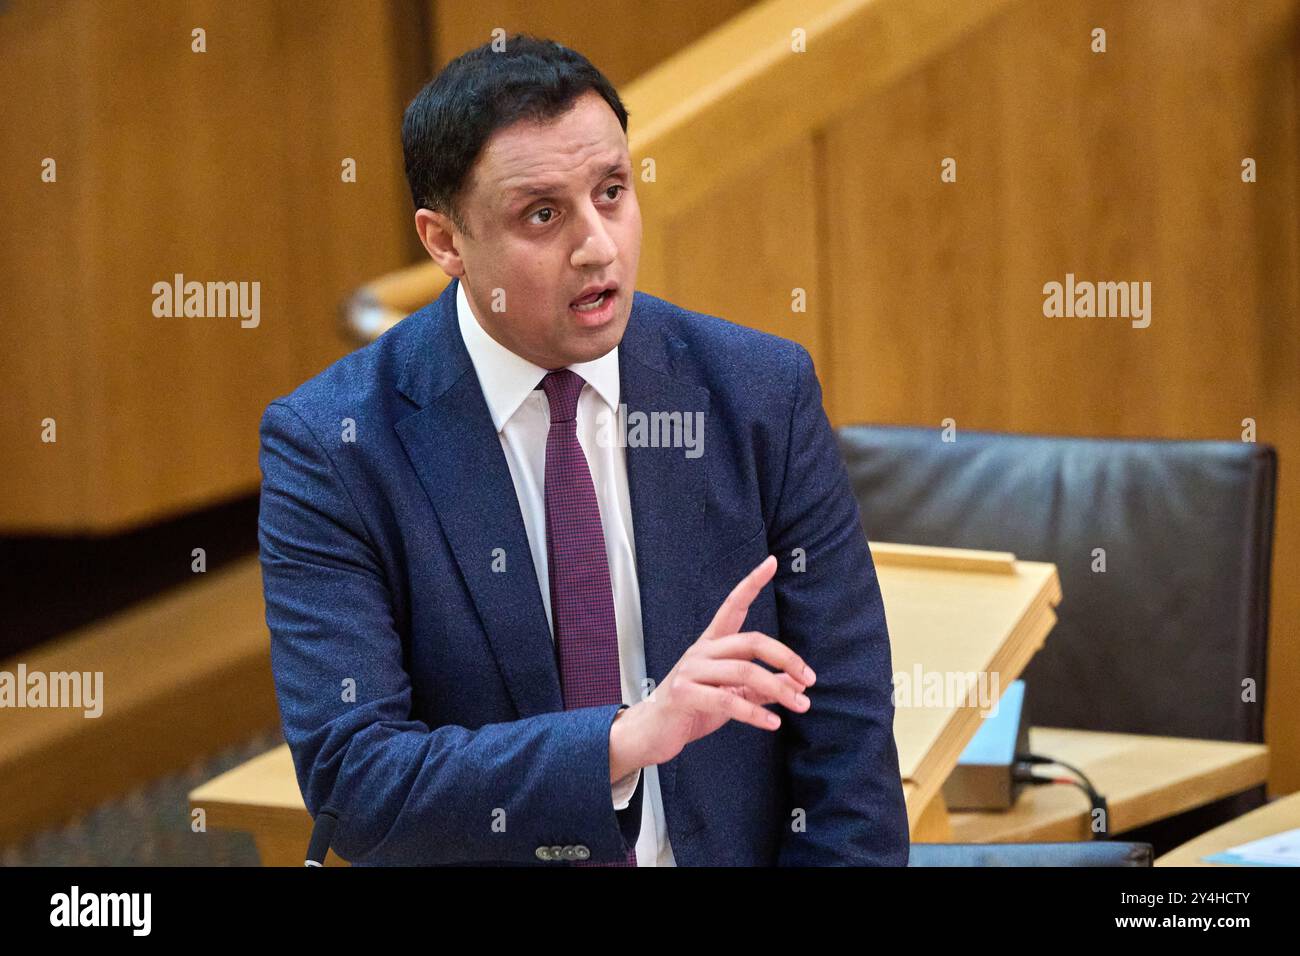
x=537 y=559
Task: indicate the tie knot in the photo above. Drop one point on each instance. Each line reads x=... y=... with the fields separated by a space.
x=562 y=389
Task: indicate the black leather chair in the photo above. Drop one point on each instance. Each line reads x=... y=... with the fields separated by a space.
x=1096 y=853
x=1162 y=640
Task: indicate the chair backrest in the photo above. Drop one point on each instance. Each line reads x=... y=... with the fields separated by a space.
x=1165 y=639
x=1088 y=853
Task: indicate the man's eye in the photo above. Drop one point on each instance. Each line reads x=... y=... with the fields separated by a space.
x=622 y=189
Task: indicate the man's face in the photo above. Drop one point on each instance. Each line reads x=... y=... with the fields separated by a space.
x=553 y=212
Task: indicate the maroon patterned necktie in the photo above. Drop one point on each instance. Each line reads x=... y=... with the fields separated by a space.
x=582 y=599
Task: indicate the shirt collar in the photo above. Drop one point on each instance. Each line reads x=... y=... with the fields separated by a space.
x=507 y=379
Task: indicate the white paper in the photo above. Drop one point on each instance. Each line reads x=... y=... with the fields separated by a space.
x=1280 y=849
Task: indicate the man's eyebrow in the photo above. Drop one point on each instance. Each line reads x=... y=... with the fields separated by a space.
x=532 y=190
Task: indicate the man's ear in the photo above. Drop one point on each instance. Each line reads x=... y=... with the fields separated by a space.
x=439 y=239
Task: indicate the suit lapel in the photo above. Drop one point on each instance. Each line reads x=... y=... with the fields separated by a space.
x=668 y=496
x=457 y=455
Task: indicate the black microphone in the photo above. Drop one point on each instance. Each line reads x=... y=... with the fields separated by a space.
x=322 y=834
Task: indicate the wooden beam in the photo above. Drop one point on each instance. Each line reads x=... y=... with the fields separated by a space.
x=184 y=675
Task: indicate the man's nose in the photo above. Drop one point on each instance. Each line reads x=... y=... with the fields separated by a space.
x=595 y=245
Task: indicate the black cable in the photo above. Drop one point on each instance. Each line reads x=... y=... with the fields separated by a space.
x=1024 y=775
x=1035 y=759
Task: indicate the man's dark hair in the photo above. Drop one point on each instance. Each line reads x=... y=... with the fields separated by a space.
x=476 y=94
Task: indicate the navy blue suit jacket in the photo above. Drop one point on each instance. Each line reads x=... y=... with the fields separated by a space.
x=418 y=686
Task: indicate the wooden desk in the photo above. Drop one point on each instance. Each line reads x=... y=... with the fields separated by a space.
x=1278 y=816
x=261 y=797
x=955 y=612
x=1143 y=779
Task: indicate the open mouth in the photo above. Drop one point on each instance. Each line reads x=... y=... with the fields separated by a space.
x=595 y=308
x=592 y=302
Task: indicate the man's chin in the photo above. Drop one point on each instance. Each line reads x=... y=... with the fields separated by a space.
x=594 y=343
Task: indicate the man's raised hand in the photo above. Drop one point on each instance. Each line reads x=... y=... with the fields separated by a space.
x=717 y=680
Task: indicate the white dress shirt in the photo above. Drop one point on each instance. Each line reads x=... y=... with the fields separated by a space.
x=521 y=414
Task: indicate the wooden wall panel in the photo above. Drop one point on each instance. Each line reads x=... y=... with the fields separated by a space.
x=623 y=38
x=1117 y=166
x=42 y=230
x=222 y=165
x=766 y=220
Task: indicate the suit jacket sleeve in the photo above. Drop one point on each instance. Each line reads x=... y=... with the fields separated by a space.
x=405 y=793
x=841 y=756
